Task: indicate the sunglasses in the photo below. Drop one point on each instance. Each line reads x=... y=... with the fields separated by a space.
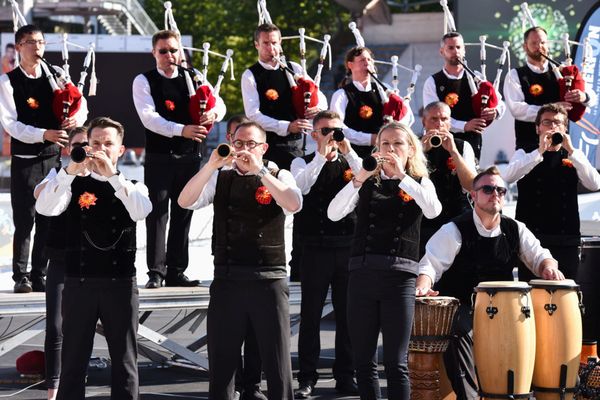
x=489 y=189
x=165 y=51
x=327 y=131
x=80 y=144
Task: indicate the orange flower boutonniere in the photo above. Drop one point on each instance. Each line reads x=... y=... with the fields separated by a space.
x=451 y=99
x=567 y=163
x=263 y=196
x=450 y=165
x=33 y=103
x=536 y=90
x=87 y=199
x=404 y=196
x=348 y=175
x=365 y=112
x=272 y=94
x=170 y=105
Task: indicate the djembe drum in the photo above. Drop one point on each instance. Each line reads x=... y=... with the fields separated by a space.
x=504 y=339
x=556 y=307
x=429 y=339
x=589 y=372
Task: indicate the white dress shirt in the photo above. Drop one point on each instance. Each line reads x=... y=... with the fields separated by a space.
x=8 y=113
x=339 y=102
x=306 y=174
x=522 y=163
x=146 y=109
x=423 y=194
x=515 y=98
x=55 y=197
x=444 y=245
x=430 y=95
x=252 y=101
x=207 y=195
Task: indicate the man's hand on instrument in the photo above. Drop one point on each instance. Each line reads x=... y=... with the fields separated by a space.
x=344 y=146
x=68 y=123
x=476 y=125
x=208 y=118
x=311 y=112
x=423 y=286
x=247 y=162
x=565 y=104
x=489 y=114
x=575 y=96
x=216 y=161
x=567 y=144
x=194 y=132
x=545 y=142
x=103 y=164
x=59 y=137
x=552 y=273
x=448 y=142
x=299 y=126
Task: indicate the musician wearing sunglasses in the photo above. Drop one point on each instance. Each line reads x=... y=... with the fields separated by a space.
x=268 y=99
x=358 y=102
x=451 y=86
x=173 y=152
x=479 y=245
x=548 y=178
x=390 y=202
x=249 y=289
x=326 y=247
x=37 y=135
x=529 y=87
x=451 y=165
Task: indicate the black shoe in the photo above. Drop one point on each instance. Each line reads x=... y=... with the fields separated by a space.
x=346 y=386
x=253 y=394
x=304 y=391
x=38 y=284
x=154 y=282
x=23 y=285
x=180 y=281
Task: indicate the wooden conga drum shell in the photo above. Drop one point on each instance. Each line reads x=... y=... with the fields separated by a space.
x=558 y=335
x=506 y=340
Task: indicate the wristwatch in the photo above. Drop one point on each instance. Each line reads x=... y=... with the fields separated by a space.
x=262 y=172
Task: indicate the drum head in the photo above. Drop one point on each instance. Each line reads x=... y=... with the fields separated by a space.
x=545 y=284
x=436 y=300
x=502 y=286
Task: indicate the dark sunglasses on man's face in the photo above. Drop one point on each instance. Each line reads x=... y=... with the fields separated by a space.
x=489 y=189
x=80 y=144
x=327 y=131
x=165 y=51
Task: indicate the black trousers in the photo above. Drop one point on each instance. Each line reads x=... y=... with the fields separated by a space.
x=458 y=358
x=165 y=179
x=236 y=305
x=25 y=174
x=567 y=257
x=115 y=303
x=55 y=283
x=249 y=372
x=323 y=267
x=381 y=300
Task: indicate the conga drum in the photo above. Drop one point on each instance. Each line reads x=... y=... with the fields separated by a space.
x=556 y=307
x=429 y=339
x=504 y=339
x=588 y=278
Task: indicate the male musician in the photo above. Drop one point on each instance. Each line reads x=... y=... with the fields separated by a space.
x=451 y=86
x=326 y=252
x=101 y=211
x=452 y=165
x=359 y=102
x=173 y=152
x=9 y=58
x=529 y=87
x=268 y=99
x=479 y=245
x=547 y=178
x=37 y=135
x=249 y=285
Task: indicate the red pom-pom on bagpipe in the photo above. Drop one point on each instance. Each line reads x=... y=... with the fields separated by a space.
x=303 y=86
x=31 y=363
x=395 y=107
x=203 y=94
x=485 y=89
x=571 y=72
x=69 y=97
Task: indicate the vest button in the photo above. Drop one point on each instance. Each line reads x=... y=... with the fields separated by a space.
x=229 y=207
x=398 y=228
x=260 y=221
x=321 y=232
x=393 y=251
x=228 y=248
x=260 y=234
x=400 y=215
x=113 y=230
x=369 y=237
x=367 y=248
x=83 y=216
x=114 y=262
x=113 y=218
x=396 y=239
x=371 y=215
x=82 y=263
x=371 y=226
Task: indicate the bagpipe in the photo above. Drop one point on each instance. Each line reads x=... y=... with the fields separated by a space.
x=484 y=94
x=567 y=74
x=203 y=96
x=66 y=100
x=395 y=107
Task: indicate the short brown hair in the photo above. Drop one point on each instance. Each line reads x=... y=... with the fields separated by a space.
x=493 y=170
x=76 y=131
x=236 y=119
x=252 y=124
x=266 y=28
x=325 y=114
x=449 y=35
x=161 y=35
x=551 y=108
x=533 y=29
x=106 y=122
x=26 y=30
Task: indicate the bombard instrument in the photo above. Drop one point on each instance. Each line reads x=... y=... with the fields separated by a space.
x=79 y=154
x=224 y=150
x=371 y=163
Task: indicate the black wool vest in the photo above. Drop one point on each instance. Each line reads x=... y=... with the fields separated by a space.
x=364 y=113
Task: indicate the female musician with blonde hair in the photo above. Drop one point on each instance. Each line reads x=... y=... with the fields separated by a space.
x=390 y=202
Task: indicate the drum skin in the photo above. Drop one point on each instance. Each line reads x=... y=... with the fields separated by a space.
x=558 y=336
x=506 y=341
